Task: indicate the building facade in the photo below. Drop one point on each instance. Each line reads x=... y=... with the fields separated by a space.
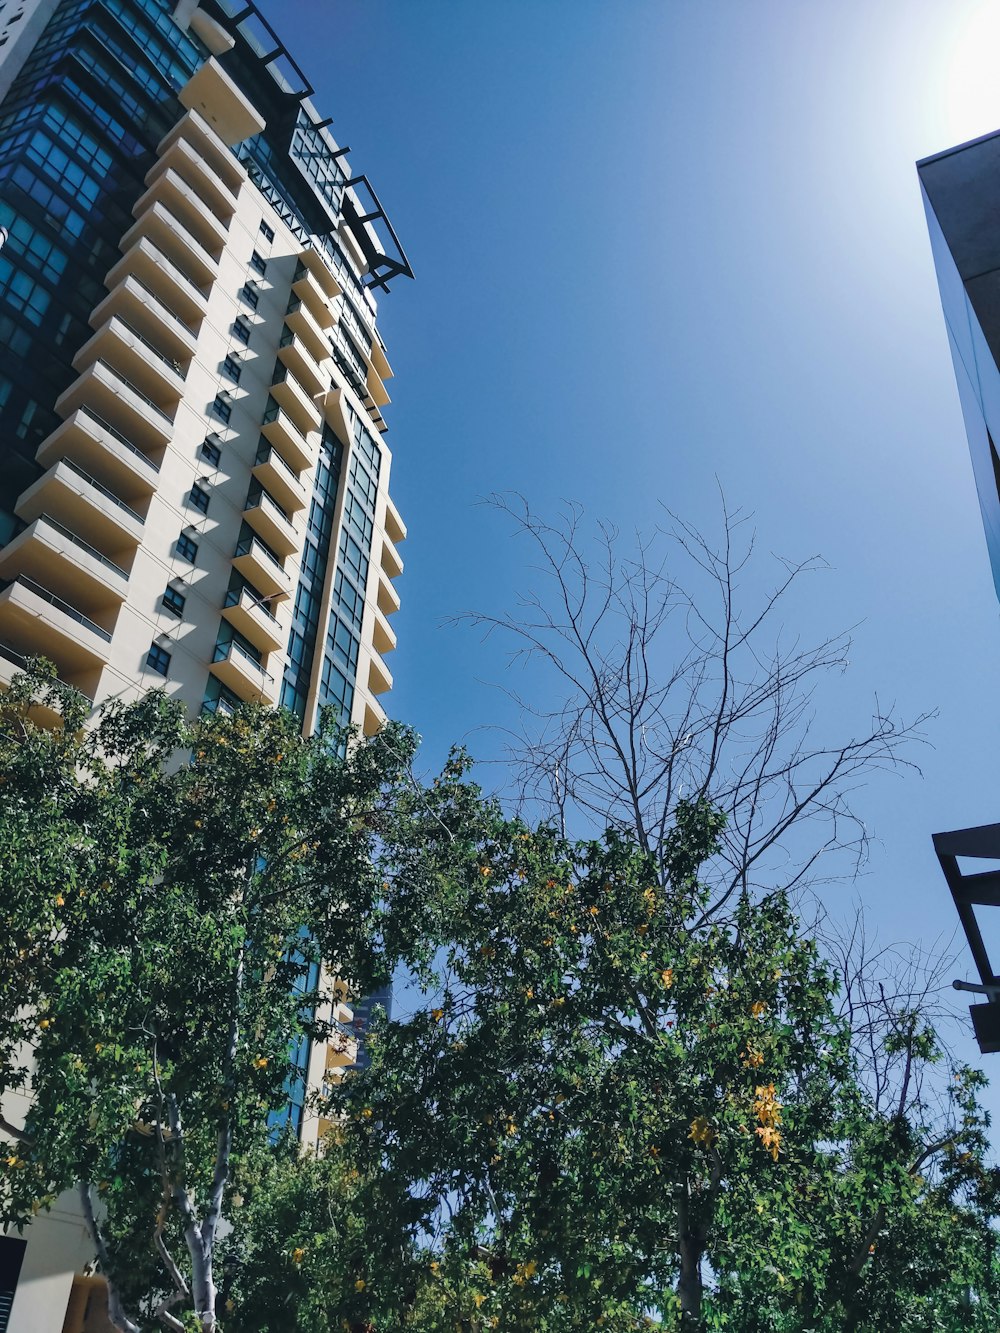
x=194 y=475
x=961 y=194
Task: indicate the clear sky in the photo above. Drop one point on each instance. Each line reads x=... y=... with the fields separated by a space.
x=663 y=241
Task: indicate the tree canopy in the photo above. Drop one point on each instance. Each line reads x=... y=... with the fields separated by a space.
x=610 y=1100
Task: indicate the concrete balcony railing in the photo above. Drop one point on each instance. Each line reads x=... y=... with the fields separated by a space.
x=300 y=320
x=172 y=190
x=295 y=354
x=341 y=1051
x=319 y=270
x=151 y=266
x=288 y=393
x=259 y=567
x=307 y=288
x=215 y=95
x=38 y=621
x=145 y=310
x=200 y=172
x=103 y=451
x=395 y=528
x=11 y=665
x=111 y=396
x=170 y=236
x=273 y=472
x=374 y=719
x=159 y=376
x=379 y=676
x=69 y=494
x=202 y=141
x=295 y=446
x=391 y=562
x=383 y=635
x=254 y=621
x=387 y=597
x=243 y=674
x=59 y=559
x=271 y=523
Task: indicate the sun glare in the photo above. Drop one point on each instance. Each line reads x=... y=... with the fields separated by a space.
x=971 y=91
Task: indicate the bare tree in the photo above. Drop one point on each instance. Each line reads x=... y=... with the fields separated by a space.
x=674 y=686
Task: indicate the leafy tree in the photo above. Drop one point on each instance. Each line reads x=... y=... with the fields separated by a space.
x=166 y=888
x=616 y=1109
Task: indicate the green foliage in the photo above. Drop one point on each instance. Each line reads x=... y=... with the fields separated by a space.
x=611 y=1106
x=609 y=1098
x=165 y=887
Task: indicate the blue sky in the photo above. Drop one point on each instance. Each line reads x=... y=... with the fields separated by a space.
x=659 y=243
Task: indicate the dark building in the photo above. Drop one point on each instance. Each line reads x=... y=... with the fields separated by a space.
x=961 y=192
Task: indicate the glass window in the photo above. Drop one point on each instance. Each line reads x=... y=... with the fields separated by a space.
x=266 y=231
x=222 y=407
x=158 y=659
x=242 y=328
x=187 y=547
x=258 y=263
x=199 y=498
x=250 y=295
x=211 y=451
x=173 y=601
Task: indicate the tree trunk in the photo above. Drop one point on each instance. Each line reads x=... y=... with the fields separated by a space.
x=116 y=1312
x=689 y=1283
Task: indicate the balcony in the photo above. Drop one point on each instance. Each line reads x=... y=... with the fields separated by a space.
x=200 y=174
x=391 y=562
x=215 y=96
x=388 y=597
x=379 y=359
x=202 y=140
x=395 y=528
x=281 y=430
x=160 y=377
x=383 y=635
x=170 y=236
x=11 y=665
x=273 y=472
x=254 y=621
x=104 y=452
x=139 y=306
x=171 y=190
x=271 y=523
x=259 y=567
x=317 y=267
x=35 y=620
x=163 y=278
x=62 y=561
x=85 y=505
x=307 y=289
x=337 y=414
x=304 y=326
x=374 y=719
x=379 y=676
x=294 y=353
x=341 y=1051
x=110 y=395
x=288 y=393
x=243 y=674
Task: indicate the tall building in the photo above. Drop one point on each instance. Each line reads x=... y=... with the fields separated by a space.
x=194 y=475
x=961 y=193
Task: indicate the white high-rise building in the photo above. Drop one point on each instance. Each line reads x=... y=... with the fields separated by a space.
x=194 y=490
